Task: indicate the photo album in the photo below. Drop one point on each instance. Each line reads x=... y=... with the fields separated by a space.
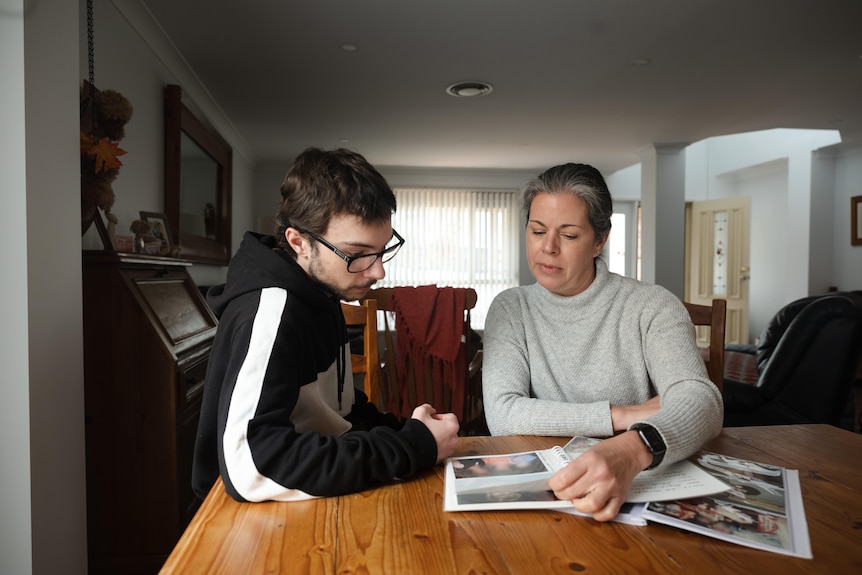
x=520 y=480
x=736 y=500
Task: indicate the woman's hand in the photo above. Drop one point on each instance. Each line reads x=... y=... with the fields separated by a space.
x=622 y=416
x=598 y=480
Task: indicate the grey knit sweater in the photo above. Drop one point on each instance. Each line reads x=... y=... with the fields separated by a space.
x=554 y=365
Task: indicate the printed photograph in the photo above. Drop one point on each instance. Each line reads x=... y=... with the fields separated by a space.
x=752 y=484
x=500 y=496
x=726 y=518
x=497 y=465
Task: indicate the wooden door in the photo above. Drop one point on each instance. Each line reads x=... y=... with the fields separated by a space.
x=717 y=260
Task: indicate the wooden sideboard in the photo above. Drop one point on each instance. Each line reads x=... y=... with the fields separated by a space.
x=147 y=338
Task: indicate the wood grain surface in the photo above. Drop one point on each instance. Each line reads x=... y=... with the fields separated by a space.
x=401 y=528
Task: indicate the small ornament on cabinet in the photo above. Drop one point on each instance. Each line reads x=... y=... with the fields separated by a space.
x=144 y=239
x=124 y=243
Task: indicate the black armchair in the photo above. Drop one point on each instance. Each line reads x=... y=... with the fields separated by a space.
x=806 y=363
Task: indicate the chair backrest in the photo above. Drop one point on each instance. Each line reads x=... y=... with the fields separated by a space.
x=715 y=317
x=809 y=353
x=402 y=390
x=383 y=297
x=368 y=363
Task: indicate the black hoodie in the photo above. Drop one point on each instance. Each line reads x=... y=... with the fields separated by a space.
x=277 y=421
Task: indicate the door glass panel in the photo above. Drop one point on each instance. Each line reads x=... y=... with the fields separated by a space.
x=719 y=260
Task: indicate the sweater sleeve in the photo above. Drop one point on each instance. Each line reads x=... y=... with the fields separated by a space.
x=691 y=404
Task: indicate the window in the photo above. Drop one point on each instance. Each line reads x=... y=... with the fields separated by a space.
x=615 y=249
x=622 y=250
x=457 y=238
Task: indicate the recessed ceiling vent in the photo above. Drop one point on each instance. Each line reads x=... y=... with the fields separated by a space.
x=469 y=89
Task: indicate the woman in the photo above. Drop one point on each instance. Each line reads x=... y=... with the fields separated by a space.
x=587 y=352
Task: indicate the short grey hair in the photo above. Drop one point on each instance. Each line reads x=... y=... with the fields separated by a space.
x=580 y=180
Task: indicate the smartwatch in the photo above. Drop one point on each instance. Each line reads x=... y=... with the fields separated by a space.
x=653 y=441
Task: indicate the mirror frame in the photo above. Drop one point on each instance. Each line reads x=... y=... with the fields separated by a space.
x=179 y=119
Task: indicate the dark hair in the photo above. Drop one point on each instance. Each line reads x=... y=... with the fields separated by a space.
x=580 y=180
x=322 y=184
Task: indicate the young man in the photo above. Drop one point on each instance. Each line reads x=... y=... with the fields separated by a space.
x=281 y=419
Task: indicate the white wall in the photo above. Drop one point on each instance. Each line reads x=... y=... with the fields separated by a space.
x=42 y=507
x=125 y=64
x=770 y=263
x=800 y=184
x=788 y=187
x=267 y=192
x=54 y=290
x=847 y=259
x=133 y=57
x=16 y=540
x=625 y=184
x=821 y=210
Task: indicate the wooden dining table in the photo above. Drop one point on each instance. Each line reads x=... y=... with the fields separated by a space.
x=402 y=528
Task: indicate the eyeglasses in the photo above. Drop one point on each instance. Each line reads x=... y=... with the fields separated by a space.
x=358 y=264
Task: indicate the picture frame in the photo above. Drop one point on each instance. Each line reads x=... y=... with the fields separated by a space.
x=160 y=231
x=856 y=221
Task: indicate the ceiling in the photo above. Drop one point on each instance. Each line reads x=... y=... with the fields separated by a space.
x=568 y=78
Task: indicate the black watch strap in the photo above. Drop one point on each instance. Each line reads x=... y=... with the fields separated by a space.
x=652 y=439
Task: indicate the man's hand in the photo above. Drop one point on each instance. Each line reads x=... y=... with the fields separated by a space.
x=443 y=426
x=622 y=416
x=598 y=480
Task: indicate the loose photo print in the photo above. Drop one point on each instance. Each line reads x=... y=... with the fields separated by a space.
x=729 y=519
x=578 y=445
x=762 y=509
x=752 y=484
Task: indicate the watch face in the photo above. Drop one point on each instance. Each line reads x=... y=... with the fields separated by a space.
x=652 y=439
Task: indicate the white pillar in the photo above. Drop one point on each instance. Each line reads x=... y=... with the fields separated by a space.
x=822 y=223
x=663 y=216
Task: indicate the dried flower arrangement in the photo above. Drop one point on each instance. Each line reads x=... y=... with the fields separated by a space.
x=104 y=114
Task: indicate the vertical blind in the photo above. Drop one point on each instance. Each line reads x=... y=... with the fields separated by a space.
x=457 y=238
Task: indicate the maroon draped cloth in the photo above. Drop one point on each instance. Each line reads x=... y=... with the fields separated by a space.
x=429 y=323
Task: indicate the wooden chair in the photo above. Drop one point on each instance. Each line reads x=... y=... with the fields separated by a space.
x=393 y=391
x=368 y=363
x=714 y=317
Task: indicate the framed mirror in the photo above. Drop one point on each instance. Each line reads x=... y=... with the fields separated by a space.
x=197 y=184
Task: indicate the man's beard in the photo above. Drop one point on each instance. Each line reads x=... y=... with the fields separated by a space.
x=327 y=286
